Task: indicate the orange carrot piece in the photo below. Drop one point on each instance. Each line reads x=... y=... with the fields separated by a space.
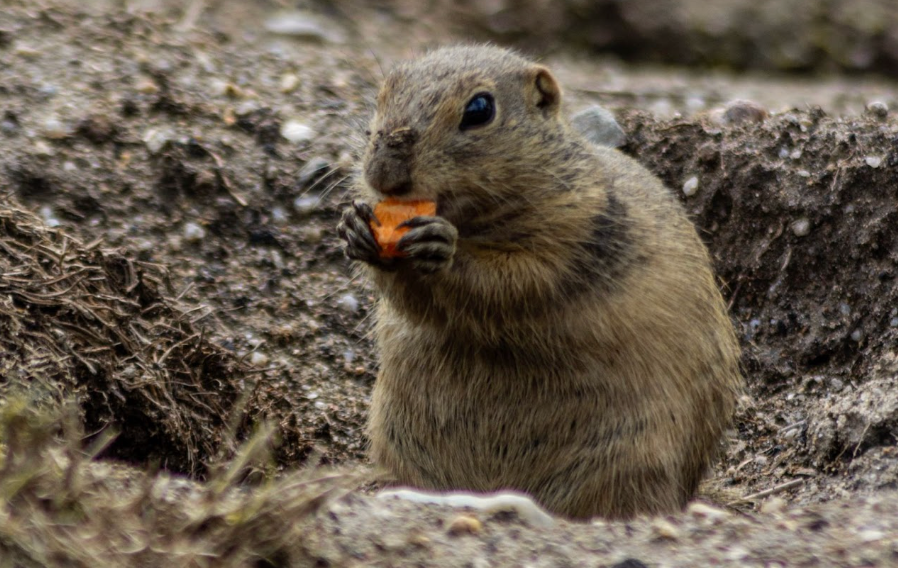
x=391 y=212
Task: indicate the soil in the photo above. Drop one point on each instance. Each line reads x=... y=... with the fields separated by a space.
x=220 y=152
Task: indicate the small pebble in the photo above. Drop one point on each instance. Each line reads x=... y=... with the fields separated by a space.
x=279 y=214
x=795 y=155
x=878 y=109
x=801 y=227
x=296 y=132
x=790 y=434
x=144 y=245
x=49 y=216
x=464 y=524
x=157 y=138
x=41 y=148
x=873 y=161
x=784 y=153
x=349 y=356
x=857 y=335
x=277 y=259
x=146 y=86
x=598 y=125
x=54 y=129
x=314 y=168
x=871 y=535
x=26 y=51
x=289 y=82
x=742 y=111
x=193 y=232
x=664 y=529
x=221 y=88
x=690 y=187
x=247 y=107
x=301 y=24
x=305 y=205
x=773 y=505
x=311 y=235
x=698 y=509
x=348 y=303
x=804 y=173
x=893 y=322
x=258 y=359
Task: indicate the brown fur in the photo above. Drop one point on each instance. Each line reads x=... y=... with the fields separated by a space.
x=575 y=345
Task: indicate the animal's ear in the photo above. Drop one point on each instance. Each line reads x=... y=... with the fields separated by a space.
x=545 y=92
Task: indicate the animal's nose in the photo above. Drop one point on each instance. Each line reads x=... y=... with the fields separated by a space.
x=389 y=166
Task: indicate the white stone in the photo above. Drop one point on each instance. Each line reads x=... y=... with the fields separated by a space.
x=279 y=214
x=156 y=138
x=690 y=186
x=193 y=232
x=298 y=23
x=297 y=132
x=49 y=217
x=306 y=204
x=348 y=303
x=55 y=129
x=520 y=503
x=801 y=227
x=878 y=109
x=258 y=359
x=289 y=82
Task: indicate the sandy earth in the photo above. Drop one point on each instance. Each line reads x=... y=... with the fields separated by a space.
x=221 y=151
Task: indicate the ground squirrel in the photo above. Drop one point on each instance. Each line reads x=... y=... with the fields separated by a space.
x=556 y=327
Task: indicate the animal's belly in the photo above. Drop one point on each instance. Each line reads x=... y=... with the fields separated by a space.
x=472 y=426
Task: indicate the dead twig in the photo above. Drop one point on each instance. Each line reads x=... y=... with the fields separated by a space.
x=768 y=492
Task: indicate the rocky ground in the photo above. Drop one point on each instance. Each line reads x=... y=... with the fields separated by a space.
x=209 y=149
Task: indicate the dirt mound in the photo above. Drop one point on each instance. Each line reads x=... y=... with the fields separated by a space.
x=799 y=213
x=83 y=321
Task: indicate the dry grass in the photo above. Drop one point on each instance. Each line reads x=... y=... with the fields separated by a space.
x=58 y=507
x=95 y=325
x=92 y=341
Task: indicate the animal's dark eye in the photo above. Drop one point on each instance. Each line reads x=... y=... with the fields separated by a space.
x=480 y=110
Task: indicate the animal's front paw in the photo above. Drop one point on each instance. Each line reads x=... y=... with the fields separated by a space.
x=355 y=230
x=429 y=244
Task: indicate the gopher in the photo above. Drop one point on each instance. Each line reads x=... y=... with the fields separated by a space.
x=555 y=328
